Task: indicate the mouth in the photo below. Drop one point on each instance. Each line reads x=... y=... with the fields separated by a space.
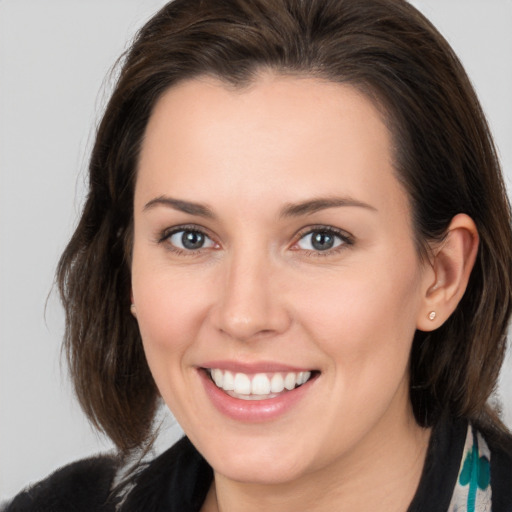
x=258 y=386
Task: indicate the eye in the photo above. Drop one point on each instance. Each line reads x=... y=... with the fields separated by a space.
x=322 y=240
x=189 y=240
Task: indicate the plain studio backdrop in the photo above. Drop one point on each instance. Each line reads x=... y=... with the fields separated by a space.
x=54 y=59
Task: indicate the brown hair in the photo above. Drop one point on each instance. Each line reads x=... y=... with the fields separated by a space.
x=444 y=155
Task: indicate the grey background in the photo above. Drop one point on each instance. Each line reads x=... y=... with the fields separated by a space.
x=54 y=57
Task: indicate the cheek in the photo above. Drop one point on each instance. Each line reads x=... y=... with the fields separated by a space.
x=170 y=311
x=365 y=320
x=170 y=314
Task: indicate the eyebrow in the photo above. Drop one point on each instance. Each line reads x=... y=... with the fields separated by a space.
x=180 y=205
x=290 y=210
x=316 y=205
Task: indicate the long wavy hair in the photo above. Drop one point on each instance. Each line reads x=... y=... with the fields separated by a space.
x=443 y=154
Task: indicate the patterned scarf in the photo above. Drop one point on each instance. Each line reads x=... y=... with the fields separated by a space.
x=473 y=490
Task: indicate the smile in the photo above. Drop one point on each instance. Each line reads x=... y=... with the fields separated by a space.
x=259 y=386
x=256 y=393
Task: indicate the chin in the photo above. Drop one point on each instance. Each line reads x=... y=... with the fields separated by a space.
x=258 y=473
x=259 y=463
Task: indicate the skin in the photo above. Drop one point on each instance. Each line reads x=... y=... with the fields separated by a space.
x=258 y=291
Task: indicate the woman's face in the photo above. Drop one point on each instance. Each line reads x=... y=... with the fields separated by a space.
x=273 y=245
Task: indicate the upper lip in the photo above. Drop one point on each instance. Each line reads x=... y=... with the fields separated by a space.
x=254 y=367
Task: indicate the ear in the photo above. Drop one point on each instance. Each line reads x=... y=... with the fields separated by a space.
x=133 y=309
x=451 y=265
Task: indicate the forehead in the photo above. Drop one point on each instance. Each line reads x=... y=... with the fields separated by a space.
x=284 y=137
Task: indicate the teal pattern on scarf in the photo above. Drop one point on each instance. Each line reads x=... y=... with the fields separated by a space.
x=476 y=473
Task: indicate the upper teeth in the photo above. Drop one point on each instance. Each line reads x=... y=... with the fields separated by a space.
x=258 y=384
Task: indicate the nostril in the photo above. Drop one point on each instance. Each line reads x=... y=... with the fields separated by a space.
x=253 y=325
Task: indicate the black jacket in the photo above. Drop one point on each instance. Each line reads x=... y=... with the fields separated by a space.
x=179 y=479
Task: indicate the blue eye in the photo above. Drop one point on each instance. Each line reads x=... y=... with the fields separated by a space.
x=190 y=240
x=320 y=240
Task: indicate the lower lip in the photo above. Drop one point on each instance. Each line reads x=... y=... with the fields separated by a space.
x=253 y=411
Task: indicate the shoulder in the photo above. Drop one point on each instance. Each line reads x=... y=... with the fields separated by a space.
x=500 y=447
x=81 y=486
x=464 y=462
x=176 y=481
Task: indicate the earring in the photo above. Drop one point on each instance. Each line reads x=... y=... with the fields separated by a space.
x=133 y=310
x=432 y=315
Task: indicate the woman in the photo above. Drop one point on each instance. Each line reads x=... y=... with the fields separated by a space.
x=297 y=236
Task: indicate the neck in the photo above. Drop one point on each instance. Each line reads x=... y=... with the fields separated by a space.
x=382 y=473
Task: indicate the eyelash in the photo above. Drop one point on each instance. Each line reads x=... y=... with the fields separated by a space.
x=345 y=238
x=168 y=233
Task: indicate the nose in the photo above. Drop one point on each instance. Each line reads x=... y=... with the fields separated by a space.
x=251 y=302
